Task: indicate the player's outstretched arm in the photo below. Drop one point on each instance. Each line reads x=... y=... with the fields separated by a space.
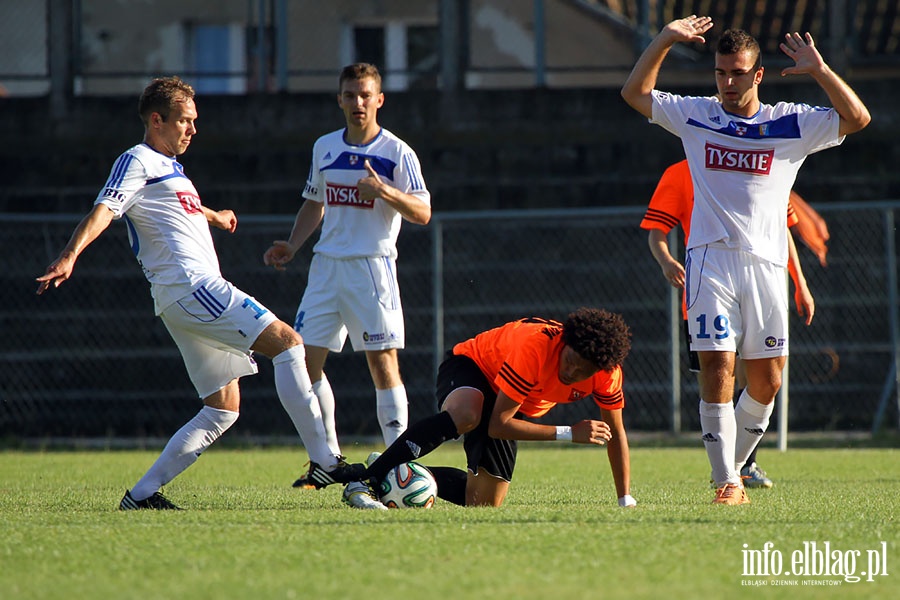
x=807 y=60
x=642 y=80
x=88 y=230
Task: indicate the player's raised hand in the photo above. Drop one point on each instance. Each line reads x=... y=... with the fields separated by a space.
x=369 y=187
x=590 y=431
x=279 y=254
x=689 y=29
x=802 y=50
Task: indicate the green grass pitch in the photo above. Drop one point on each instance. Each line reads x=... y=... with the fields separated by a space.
x=560 y=535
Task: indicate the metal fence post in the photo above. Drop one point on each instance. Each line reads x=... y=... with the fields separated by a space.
x=675 y=326
x=437 y=286
x=893 y=306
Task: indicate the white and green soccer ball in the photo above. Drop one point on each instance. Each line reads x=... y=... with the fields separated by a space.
x=408 y=485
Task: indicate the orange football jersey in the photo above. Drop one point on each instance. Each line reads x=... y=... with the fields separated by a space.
x=521 y=359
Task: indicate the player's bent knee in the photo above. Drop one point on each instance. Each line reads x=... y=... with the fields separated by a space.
x=276 y=338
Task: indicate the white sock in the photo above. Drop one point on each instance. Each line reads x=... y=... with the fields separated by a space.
x=295 y=392
x=718 y=426
x=392 y=409
x=184 y=448
x=752 y=420
x=322 y=390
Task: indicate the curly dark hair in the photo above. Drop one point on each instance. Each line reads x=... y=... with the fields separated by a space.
x=734 y=41
x=599 y=336
x=162 y=95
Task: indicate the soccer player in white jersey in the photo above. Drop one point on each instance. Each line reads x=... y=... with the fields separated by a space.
x=363 y=182
x=743 y=156
x=216 y=326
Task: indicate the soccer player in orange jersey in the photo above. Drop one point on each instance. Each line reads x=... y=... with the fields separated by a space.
x=671 y=205
x=490 y=384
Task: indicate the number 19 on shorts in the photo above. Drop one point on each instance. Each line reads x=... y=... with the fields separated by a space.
x=720 y=325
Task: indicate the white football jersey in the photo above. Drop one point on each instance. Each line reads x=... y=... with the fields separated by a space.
x=743 y=169
x=167 y=229
x=354 y=228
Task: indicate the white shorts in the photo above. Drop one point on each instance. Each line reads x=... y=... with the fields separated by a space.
x=214 y=328
x=736 y=302
x=359 y=296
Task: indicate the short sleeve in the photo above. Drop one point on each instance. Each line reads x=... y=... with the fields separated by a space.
x=126 y=178
x=608 y=392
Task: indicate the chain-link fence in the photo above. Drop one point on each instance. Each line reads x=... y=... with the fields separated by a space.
x=89 y=359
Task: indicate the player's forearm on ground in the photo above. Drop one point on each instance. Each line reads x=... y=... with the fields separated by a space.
x=854 y=114
x=620 y=462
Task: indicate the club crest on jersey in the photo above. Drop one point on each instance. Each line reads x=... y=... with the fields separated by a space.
x=741 y=130
x=354 y=160
x=722 y=158
x=576 y=395
x=345 y=195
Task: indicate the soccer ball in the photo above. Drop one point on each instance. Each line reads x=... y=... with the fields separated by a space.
x=409 y=485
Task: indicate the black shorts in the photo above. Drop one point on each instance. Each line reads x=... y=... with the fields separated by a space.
x=497 y=457
x=693 y=359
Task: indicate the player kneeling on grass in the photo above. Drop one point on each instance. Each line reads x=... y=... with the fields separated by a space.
x=488 y=385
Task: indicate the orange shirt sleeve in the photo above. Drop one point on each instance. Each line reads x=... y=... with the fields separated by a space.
x=811 y=228
x=608 y=392
x=672 y=201
x=792 y=217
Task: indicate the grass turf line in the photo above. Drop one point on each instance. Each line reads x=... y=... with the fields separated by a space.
x=248 y=534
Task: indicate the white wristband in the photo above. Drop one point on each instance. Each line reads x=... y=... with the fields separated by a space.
x=564 y=432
